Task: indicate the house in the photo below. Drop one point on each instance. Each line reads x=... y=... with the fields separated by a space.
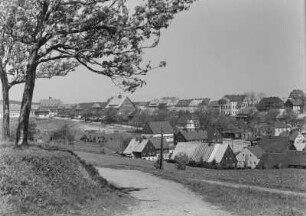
x=268 y=103
x=140 y=148
x=231 y=104
x=191 y=105
x=223 y=155
x=167 y=146
x=34 y=108
x=196 y=151
x=296 y=105
x=51 y=105
x=154 y=129
x=280 y=127
x=249 y=157
x=237 y=145
x=273 y=160
x=42 y=113
x=122 y=104
x=298 y=140
x=191 y=136
x=188 y=124
x=214 y=105
x=206 y=152
x=274 y=144
x=296 y=159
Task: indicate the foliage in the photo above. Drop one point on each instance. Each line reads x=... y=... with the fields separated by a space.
x=63 y=135
x=110 y=116
x=181 y=160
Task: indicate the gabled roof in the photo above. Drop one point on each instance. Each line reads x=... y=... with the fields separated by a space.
x=295 y=102
x=183 y=103
x=186 y=148
x=274 y=144
x=194 y=135
x=236 y=98
x=156 y=141
x=141 y=146
x=256 y=150
x=116 y=102
x=131 y=146
x=202 y=152
x=156 y=126
x=218 y=152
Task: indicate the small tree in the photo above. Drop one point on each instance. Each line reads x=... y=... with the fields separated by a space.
x=181 y=160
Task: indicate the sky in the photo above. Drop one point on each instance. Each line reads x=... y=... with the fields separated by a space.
x=218 y=47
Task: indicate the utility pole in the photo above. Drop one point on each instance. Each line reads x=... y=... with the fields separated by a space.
x=161 y=149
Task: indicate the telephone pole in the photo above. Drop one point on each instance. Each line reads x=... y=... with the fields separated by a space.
x=161 y=149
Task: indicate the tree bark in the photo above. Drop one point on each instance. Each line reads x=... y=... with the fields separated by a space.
x=6 y=104
x=23 y=121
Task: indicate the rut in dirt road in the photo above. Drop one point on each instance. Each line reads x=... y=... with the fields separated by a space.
x=158 y=196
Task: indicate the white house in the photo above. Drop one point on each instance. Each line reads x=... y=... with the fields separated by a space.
x=249 y=157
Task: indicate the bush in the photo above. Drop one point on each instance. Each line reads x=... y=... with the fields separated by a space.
x=181 y=161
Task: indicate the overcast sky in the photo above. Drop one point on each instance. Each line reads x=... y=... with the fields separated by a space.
x=217 y=47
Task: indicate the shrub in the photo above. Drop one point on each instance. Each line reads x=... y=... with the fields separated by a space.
x=181 y=161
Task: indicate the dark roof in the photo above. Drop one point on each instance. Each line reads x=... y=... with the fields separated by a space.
x=285 y=134
x=183 y=103
x=236 y=98
x=256 y=150
x=156 y=126
x=214 y=104
x=279 y=124
x=156 y=141
x=274 y=144
x=272 y=160
x=297 y=158
x=194 y=135
x=295 y=102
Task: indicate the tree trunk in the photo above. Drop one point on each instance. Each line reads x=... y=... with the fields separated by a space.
x=23 y=122
x=6 y=103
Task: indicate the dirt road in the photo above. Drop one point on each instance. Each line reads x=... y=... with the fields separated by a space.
x=158 y=196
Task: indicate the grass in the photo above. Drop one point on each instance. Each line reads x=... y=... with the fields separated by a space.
x=241 y=201
x=35 y=181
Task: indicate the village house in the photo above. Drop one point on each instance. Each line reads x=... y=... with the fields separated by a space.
x=155 y=128
x=51 y=105
x=167 y=146
x=296 y=105
x=214 y=105
x=191 y=105
x=298 y=140
x=140 y=148
x=188 y=124
x=42 y=113
x=273 y=160
x=249 y=157
x=198 y=152
x=122 y=104
x=268 y=103
x=280 y=127
x=191 y=136
x=231 y=104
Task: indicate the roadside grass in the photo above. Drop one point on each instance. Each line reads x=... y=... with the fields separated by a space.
x=241 y=201
x=35 y=181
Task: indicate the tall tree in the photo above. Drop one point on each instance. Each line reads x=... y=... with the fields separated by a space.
x=105 y=36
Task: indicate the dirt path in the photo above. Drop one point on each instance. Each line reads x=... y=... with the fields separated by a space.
x=252 y=187
x=158 y=196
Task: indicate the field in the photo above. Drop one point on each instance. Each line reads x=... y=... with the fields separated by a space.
x=238 y=200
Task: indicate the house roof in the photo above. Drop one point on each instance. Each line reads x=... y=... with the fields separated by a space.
x=202 y=152
x=96 y=106
x=183 y=103
x=186 y=148
x=279 y=124
x=274 y=144
x=214 y=104
x=218 y=152
x=194 y=135
x=236 y=98
x=297 y=158
x=49 y=102
x=295 y=102
x=285 y=134
x=269 y=160
x=156 y=141
x=156 y=126
x=236 y=145
x=116 y=102
x=256 y=150
x=131 y=146
x=141 y=145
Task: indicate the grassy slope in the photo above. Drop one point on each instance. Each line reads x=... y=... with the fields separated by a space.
x=239 y=201
x=40 y=182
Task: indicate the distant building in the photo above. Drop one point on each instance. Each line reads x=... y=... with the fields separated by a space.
x=188 y=124
x=191 y=105
x=122 y=104
x=296 y=105
x=268 y=103
x=275 y=144
x=280 y=127
x=249 y=157
x=231 y=104
x=191 y=136
x=154 y=129
x=140 y=148
x=51 y=105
